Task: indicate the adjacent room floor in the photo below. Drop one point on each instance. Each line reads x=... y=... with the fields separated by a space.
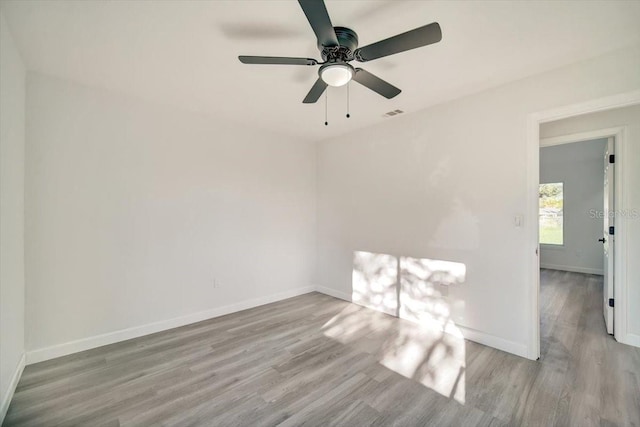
x=317 y=360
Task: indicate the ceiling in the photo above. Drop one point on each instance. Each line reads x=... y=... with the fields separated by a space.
x=184 y=53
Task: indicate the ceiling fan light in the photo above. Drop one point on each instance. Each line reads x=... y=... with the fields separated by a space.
x=336 y=74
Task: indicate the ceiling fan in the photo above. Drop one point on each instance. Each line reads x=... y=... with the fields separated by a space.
x=339 y=45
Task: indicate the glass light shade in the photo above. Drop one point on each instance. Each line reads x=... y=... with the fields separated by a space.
x=336 y=75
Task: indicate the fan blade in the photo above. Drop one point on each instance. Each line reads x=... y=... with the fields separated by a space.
x=276 y=60
x=375 y=83
x=316 y=91
x=419 y=37
x=318 y=17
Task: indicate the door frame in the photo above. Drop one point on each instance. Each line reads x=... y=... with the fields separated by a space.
x=533 y=187
x=617 y=133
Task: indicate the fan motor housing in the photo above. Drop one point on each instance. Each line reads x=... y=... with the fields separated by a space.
x=347 y=44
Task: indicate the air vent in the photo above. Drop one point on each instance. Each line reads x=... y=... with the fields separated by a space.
x=392 y=113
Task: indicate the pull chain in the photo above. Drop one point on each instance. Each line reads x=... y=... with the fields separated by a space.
x=326 y=102
x=348 y=115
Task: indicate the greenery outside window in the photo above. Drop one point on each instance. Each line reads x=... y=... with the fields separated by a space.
x=551 y=213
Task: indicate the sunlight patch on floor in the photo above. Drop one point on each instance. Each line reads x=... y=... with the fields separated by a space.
x=426 y=345
x=433 y=358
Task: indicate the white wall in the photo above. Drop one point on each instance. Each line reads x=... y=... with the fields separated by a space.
x=132 y=211
x=630 y=118
x=446 y=183
x=12 y=130
x=580 y=166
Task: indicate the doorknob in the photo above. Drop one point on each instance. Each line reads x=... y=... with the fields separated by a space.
x=602 y=240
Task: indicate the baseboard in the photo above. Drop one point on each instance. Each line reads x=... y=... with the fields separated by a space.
x=632 y=339
x=470 y=334
x=333 y=293
x=40 y=355
x=493 y=341
x=573 y=269
x=6 y=399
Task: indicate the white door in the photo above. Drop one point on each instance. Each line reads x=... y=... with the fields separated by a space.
x=607 y=238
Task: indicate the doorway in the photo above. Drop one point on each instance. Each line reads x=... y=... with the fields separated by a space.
x=588 y=115
x=577 y=185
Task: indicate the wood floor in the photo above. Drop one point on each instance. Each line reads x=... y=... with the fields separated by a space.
x=315 y=360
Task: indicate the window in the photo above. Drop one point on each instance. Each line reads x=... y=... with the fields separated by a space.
x=551 y=213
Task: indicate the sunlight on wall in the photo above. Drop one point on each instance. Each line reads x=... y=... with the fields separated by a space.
x=425 y=345
x=424 y=291
x=375 y=281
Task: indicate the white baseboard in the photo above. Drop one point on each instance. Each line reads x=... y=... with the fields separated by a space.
x=333 y=293
x=479 y=337
x=6 y=399
x=513 y=347
x=573 y=269
x=42 y=354
x=632 y=339
x=39 y=355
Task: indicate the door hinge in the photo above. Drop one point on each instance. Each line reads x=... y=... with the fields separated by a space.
x=612 y=230
x=612 y=158
x=611 y=303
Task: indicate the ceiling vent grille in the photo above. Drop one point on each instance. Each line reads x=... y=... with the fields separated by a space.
x=392 y=113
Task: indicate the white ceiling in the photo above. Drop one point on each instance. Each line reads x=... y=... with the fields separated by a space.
x=184 y=53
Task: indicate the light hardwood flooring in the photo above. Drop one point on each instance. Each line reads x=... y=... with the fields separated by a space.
x=316 y=360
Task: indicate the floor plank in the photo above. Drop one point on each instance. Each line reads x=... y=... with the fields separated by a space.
x=315 y=360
